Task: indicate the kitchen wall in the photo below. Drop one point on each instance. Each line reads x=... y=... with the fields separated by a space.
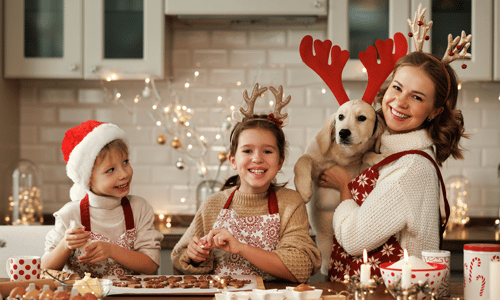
x=228 y=61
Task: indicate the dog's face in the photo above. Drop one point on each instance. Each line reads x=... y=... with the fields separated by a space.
x=355 y=127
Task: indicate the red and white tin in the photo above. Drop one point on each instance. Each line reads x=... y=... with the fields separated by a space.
x=477 y=258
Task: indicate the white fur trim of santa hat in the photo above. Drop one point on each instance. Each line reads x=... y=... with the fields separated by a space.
x=80 y=147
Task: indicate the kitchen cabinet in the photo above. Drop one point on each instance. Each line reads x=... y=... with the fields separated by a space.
x=496 y=41
x=351 y=22
x=84 y=39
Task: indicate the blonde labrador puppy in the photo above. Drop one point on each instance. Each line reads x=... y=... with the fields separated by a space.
x=345 y=137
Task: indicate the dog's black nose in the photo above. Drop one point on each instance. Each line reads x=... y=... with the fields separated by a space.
x=344 y=133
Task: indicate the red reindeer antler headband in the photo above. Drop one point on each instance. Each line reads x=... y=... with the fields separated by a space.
x=332 y=73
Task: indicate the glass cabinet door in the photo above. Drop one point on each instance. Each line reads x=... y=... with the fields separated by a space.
x=124 y=38
x=474 y=17
x=43 y=38
x=356 y=24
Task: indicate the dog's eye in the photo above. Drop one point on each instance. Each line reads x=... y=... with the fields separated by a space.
x=341 y=117
x=361 y=118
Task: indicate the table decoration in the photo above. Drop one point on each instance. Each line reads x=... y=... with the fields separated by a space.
x=360 y=290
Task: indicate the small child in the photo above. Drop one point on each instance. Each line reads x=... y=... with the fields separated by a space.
x=255 y=227
x=114 y=232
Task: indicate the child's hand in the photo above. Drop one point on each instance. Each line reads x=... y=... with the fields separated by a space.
x=224 y=240
x=198 y=250
x=96 y=252
x=75 y=238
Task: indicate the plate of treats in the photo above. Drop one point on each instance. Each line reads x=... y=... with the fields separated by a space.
x=182 y=284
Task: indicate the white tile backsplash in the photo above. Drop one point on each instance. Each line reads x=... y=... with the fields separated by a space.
x=229 y=61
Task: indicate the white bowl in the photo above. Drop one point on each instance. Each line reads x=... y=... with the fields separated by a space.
x=305 y=295
x=433 y=276
x=272 y=294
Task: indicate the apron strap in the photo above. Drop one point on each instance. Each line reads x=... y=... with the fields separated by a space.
x=85 y=213
x=398 y=155
x=272 y=201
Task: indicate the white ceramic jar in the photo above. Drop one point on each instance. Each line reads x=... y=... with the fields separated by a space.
x=477 y=281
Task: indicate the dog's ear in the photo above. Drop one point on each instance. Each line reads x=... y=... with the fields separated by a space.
x=326 y=135
x=378 y=133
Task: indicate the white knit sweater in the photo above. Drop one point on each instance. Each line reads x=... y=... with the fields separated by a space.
x=405 y=202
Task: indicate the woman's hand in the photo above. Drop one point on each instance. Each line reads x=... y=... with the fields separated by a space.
x=338 y=178
x=198 y=250
x=75 y=238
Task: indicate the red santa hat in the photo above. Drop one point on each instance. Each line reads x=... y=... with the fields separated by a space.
x=80 y=147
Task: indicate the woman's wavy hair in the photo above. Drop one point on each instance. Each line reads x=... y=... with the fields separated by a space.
x=447 y=128
x=261 y=122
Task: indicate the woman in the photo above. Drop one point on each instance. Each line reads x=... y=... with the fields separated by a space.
x=418 y=107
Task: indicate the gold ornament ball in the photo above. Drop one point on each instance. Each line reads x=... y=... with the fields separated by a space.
x=222 y=157
x=161 y=139
x=176 y=143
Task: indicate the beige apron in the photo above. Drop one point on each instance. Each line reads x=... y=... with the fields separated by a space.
x=258 y=231
x=108 y=266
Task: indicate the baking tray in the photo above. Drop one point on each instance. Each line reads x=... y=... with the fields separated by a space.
x=256 y=283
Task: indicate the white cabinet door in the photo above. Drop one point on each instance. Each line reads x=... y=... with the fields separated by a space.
x=496 y=39
x=57 y=50
x=150 y=63
x=479 y=67
x=340 y=30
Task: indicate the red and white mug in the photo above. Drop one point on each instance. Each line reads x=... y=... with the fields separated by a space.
x=24 y=267
x=440 y=257
x=477 y=280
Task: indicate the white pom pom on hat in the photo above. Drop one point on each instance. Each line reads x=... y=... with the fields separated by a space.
x=80 y=147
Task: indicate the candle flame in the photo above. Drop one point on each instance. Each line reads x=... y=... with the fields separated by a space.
x=365 y=256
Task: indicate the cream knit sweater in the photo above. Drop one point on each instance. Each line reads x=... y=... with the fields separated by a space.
x=296 y=248
x=405 y=202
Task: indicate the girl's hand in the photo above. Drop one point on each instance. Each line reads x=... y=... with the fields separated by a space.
x=75 y=238
x=97 y=251
x=197 y=250
x=224 y=240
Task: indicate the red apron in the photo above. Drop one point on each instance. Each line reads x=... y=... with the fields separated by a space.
x=341 y=263
x=109 y=266
x=259 y=231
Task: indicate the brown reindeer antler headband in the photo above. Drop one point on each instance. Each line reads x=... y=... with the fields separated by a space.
x=457 y=47
x=281 y=120
x=332 y=73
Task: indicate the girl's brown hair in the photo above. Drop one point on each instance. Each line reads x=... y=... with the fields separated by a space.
x=447 y=128
x=261 y=122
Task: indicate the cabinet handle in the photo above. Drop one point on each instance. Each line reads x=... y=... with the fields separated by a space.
x=73 y=67
x=318 y=4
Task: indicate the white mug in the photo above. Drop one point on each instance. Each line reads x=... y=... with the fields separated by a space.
x=440 y=257
x=21 y=268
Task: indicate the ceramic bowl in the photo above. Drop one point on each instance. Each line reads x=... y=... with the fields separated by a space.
x=433 y=276
x=305 y=295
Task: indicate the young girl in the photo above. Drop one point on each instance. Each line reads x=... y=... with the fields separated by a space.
x=255 y=227
x=114 y=232
x=402 y=210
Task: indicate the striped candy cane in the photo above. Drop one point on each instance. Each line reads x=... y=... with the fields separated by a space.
x=471 y=265
x=483 y=283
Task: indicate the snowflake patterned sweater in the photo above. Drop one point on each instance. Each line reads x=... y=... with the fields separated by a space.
x=296 y=249
x=404 y=203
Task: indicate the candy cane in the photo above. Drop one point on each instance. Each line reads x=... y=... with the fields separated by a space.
x=483 y=283
x=471 y=264
x=495 y=258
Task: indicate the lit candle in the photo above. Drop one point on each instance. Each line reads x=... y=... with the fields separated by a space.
x=406 y=272
x=494 y=275
x=365 y=270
